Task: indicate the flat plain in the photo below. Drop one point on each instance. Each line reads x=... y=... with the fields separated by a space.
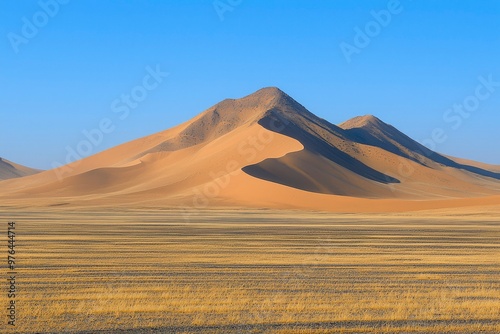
x=254 y=271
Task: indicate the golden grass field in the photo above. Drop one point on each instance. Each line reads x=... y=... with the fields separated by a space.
x=168 y=271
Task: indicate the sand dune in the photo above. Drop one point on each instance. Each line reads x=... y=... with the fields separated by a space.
x=266 y=150
x=10 y=170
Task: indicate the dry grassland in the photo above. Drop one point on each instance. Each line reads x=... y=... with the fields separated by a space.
x=162 y=271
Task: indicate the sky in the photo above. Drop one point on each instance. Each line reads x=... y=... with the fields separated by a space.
x=114 y=71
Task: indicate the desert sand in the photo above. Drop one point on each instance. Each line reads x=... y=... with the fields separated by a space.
x=266 y=151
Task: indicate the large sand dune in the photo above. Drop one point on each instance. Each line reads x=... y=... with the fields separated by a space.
x=266 y=150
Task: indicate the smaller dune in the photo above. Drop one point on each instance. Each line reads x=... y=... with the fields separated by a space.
x=11 y=170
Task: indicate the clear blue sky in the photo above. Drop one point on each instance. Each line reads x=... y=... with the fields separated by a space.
x=64 y=77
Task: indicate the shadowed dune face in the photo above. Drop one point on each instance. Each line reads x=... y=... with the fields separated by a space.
x=10 y=170
x=264 y=150
x=321 y=167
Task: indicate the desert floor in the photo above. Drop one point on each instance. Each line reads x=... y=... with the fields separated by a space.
x=176 y=271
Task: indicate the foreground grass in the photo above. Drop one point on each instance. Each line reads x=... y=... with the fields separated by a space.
x=255 y=272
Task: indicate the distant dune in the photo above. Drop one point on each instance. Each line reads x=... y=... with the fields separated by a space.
x=10 y=170
x=267 y=151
